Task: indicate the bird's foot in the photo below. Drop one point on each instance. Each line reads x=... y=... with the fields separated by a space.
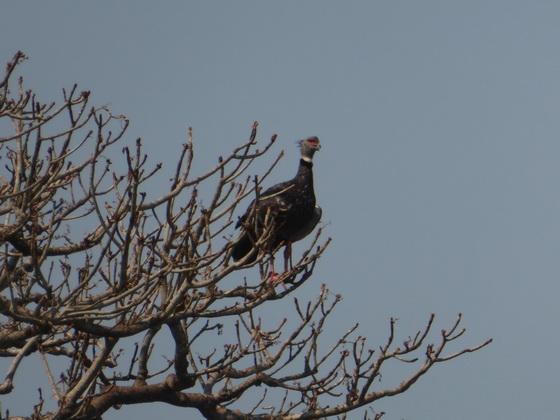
x=273 y=277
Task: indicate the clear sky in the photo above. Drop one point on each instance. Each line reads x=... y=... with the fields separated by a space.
x=438 y=175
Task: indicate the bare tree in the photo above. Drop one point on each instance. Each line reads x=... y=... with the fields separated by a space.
x=95 y=274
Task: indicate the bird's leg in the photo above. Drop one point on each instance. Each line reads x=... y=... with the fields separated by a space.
x=272 y=275
x=288 y=256
x=271 y=266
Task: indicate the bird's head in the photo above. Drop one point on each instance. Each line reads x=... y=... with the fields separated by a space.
x=308 y=148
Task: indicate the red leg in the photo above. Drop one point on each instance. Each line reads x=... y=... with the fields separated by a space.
x=272 y=275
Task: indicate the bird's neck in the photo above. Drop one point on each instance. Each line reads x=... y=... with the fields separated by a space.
x=305 y=169
x=305 y=164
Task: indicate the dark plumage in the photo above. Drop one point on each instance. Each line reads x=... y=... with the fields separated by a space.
x=289 y=206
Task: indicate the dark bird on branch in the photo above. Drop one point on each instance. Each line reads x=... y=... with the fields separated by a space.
x=283 y=214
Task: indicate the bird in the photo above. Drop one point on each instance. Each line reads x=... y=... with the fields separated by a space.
x=287 y=212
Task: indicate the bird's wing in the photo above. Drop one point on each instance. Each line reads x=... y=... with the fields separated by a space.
x=278 y=189
x=277 y=197
x=274 y=198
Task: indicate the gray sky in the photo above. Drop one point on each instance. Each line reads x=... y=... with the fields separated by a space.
x=438 y=176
